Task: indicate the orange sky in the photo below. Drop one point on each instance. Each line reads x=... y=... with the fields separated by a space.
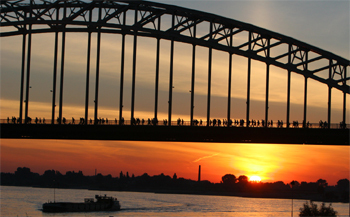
x=270 y=162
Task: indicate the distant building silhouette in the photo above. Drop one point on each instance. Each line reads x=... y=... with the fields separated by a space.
x=199 y=173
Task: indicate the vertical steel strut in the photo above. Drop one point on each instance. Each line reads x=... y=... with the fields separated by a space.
x=329 y=95
x=28 y=66
x=229 y=83
x=171 y=74
x=288 y=83
x=54 y=82
x=98 y=64
x=157 y=75
x=344 y=100
x=209 y=74
x=248 y=80
x=22 y=74
x=88 y=72
x=134 y=69
x=193 y=74
x=122 y=73
x=62 y=64
x=305 y=89
x=267 y=83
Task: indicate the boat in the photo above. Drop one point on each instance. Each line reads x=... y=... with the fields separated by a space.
x=102 y=203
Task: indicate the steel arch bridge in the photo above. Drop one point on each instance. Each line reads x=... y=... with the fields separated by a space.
x=25 y=18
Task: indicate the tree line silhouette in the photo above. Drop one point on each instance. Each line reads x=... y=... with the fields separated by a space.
x=229 y=185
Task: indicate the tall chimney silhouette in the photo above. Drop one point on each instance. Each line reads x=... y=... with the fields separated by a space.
x=199 y=173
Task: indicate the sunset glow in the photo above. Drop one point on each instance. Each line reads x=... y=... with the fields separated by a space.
x=255 y=179
x=269 y=162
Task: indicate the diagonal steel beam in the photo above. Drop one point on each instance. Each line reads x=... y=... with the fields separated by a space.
x=309 y=61
x=195 y=22
x=228 y=35
x=212 y=33
x=150 y=18
x=112 y=15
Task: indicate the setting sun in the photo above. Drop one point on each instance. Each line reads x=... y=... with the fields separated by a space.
x=255 y=179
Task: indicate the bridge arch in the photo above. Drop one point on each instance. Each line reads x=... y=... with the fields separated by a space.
x=175 y=24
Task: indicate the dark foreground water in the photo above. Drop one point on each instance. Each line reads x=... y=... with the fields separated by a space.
x=26 y=201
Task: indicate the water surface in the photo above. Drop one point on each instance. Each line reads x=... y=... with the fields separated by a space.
x=27 y=201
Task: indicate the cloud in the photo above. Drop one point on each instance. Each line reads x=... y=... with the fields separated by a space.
x=201 y=158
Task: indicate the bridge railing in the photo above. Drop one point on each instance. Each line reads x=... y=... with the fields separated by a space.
x=179 y=122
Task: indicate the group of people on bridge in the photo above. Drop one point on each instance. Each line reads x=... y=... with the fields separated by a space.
x=179 y=122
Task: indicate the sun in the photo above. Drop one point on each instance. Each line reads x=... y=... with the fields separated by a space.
x=255 y=179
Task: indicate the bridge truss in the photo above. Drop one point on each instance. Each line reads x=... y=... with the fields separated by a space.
x=166 y=22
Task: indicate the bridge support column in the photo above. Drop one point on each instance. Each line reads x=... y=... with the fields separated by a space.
x=288 y=98
x=62 y=67
x=88 y=73
x=157 y=77
x=305 y=89
x=97 y=65
x=267 y=94
x=87 y=79
x=170 y=102
x=267 y=85
x=229 y=84
x=209 y=85
x=288 y=84
x=248 y=91
x=209 y=76
x=329 y=105
x=229 y=88
x=22 y=77
x=329 y=95
x=122 y=61
x=193 y=77
x=344 y=100
x=171 y=74
x=134 y=71
x=344 y=109
x=305 y=102
x=28 y=70
x=121 y=80
x=248 y=80
x=54 y=82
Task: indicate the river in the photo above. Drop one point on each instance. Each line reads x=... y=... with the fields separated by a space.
x=27 y=201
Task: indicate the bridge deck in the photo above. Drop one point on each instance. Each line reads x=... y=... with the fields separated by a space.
x=178 y=133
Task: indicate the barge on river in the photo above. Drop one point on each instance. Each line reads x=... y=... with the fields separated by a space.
x=102 y=203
